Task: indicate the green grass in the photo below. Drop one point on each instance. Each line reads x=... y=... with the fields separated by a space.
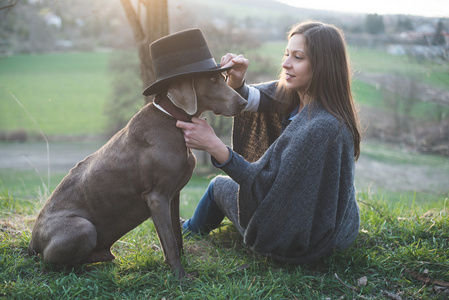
x=367 y=95
x=395 y=246
x=382 y=153
x=24 y=183
x=65 y=93
x=399 y=238
x=378 y=61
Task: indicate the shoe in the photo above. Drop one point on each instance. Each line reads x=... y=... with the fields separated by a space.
x=182 y=221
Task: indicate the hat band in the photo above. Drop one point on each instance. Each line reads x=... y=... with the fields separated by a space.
x=203 y=65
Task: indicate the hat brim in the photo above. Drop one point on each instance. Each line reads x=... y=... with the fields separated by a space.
x=164 y=82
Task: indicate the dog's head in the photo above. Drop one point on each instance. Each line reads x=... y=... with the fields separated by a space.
x=197 y=94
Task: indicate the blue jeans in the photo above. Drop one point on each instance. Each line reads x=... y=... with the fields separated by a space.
x=207 y=215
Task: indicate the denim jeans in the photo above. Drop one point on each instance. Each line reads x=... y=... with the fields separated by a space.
x=207 y=215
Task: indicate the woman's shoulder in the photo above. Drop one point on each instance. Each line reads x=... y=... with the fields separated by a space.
x=321 y=121
x=317 y=113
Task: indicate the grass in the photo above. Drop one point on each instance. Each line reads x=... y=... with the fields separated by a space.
x=400 y=251
x=65 y=93
x=386 y=154
x=378 y=61
x=367 y=95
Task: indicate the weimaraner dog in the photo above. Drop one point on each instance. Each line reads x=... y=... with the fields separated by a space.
x=138 y=173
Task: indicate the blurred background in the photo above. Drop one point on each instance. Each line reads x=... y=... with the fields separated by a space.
x=72 y=74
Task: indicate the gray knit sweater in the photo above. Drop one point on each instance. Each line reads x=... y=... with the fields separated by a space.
x=297 y=202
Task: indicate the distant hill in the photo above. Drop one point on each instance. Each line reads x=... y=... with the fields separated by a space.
x=242 y=9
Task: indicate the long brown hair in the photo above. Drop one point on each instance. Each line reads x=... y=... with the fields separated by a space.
x=330 y=80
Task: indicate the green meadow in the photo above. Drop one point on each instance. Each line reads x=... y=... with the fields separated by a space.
x=65 y=93
x=401 y=253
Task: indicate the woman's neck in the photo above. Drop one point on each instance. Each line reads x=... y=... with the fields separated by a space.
x=304 y=100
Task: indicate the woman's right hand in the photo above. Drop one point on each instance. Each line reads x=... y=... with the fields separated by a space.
x=236 y=75
x=199 y=135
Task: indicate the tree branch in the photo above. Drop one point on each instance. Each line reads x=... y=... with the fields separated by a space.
x=134 y=21
x=11 y=4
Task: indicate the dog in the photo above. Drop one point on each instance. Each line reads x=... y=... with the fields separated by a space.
x=138 y=173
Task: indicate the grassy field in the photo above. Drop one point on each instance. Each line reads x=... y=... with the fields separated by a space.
x=376 y=61
x=400 y=252
x=65 y=93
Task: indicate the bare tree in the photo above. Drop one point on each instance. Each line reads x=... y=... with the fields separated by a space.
x=9 y=5
x=149 y=21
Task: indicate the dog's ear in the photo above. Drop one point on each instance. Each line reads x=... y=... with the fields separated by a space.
x=182 y=94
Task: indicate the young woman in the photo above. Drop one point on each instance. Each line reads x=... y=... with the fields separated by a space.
x=296 y=203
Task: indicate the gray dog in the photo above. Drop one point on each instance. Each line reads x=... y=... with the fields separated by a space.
x=138 y=173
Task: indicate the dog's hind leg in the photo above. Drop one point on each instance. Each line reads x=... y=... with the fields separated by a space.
x=71 y=240
x=160 y=212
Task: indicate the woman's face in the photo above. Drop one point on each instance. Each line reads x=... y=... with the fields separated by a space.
x=296 y=64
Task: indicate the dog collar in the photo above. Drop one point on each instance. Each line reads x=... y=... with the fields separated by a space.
x=166 y=106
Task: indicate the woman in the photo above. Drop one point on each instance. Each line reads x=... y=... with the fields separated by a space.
x=296 y=203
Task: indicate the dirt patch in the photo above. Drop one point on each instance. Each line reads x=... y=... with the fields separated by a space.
x=61 y=156
x=386 y=176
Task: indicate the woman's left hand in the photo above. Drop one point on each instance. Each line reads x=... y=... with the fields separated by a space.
x=201 y=136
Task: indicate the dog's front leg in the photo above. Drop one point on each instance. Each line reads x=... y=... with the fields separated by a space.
x=174 y=214
x=160 y=212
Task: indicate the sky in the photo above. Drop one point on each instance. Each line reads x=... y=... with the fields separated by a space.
x=427 y=8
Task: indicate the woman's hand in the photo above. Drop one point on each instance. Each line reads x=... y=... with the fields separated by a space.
x=201 y=136
x=236 y=75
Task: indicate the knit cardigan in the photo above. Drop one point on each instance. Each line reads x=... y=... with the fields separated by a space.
x=297 y=202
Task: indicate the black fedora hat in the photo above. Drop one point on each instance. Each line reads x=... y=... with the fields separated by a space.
x=181 y=53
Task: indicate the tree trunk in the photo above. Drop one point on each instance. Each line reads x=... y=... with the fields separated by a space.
x=147 y=25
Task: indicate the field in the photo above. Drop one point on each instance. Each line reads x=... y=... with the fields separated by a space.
x=65 y=94
x=401 y=253
x=402 y=249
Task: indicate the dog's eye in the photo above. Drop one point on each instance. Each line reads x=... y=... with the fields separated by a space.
x=213 y=79
x=224 y=77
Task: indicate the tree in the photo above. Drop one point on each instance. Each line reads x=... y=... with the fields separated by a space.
x=9 y=5
x=404 y=24
x=148 y=21
x=374 y=24
x=438 y=38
